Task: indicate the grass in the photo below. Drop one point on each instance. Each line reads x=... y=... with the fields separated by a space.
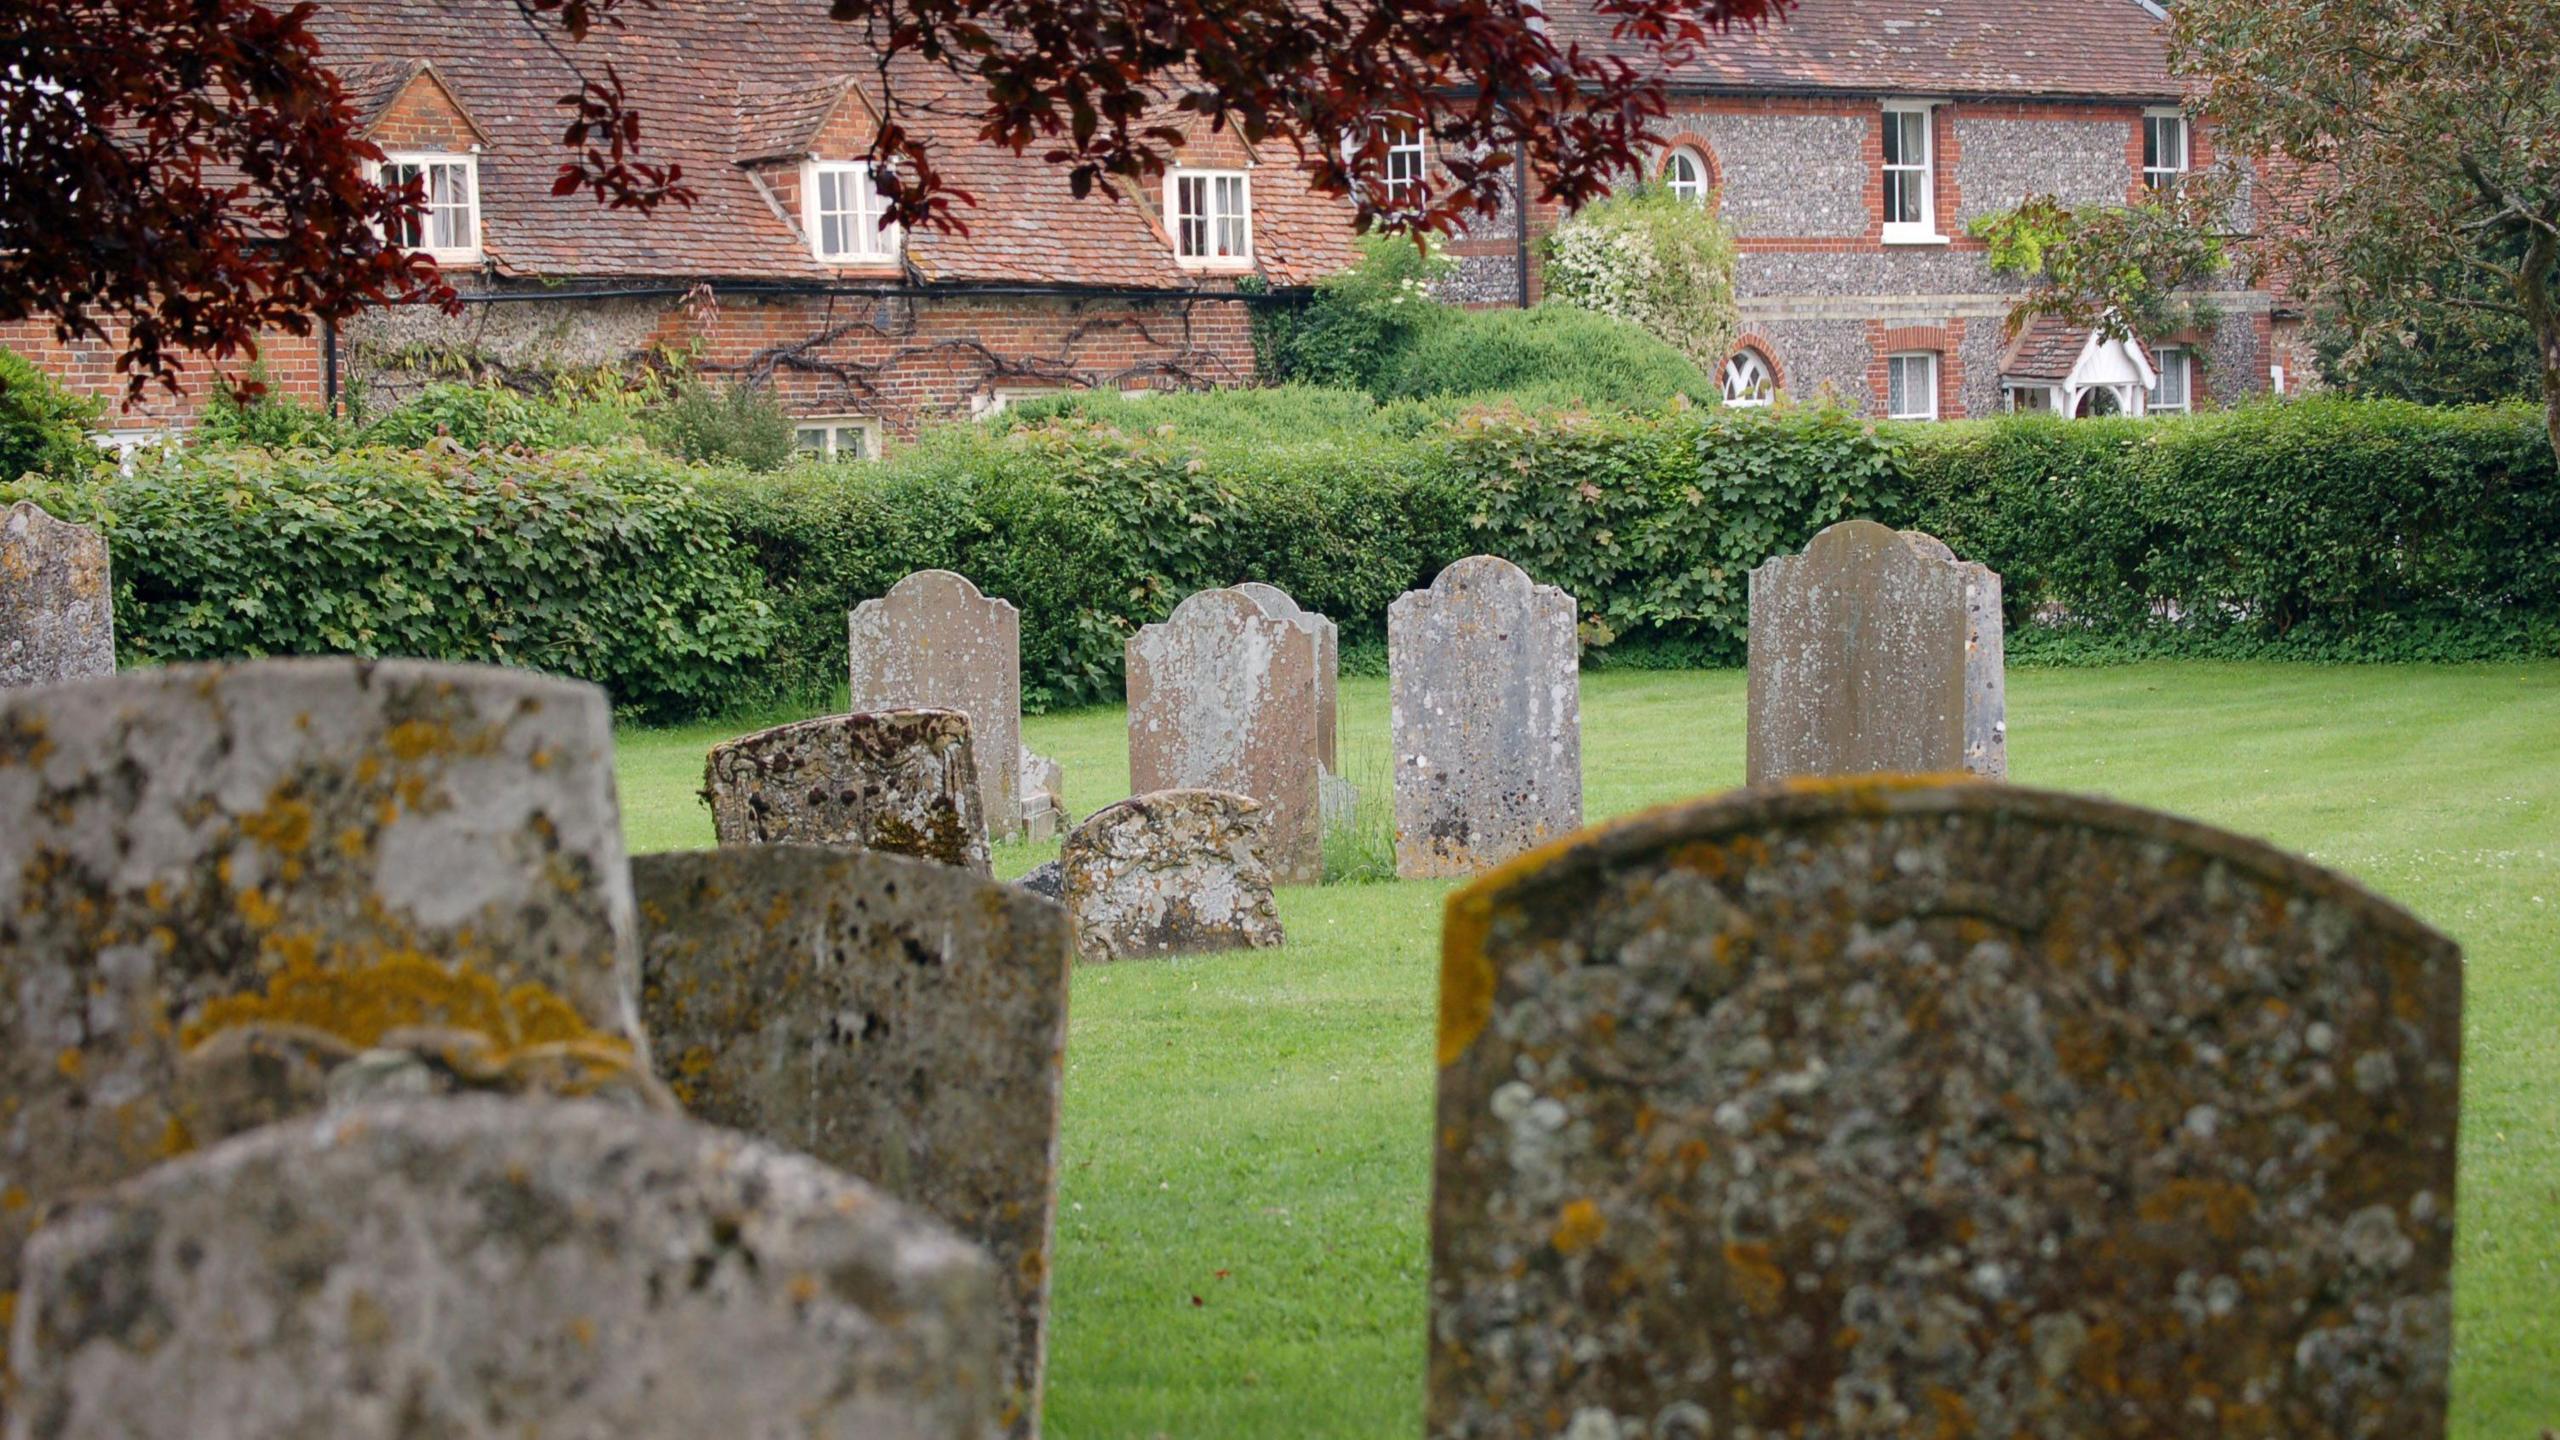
x=1241 y=1231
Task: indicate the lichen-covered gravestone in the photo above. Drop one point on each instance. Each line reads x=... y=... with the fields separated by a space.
x=902 y=1021
x=903 y=782
x=1221 y=697
x=1485 y=672
x=1170 y=872
x=1875 y=651
x=934 y=642
x=336 y=849
x=490 y=1269
x=57 y=601
x=1884 y=1108
x=1044 y=797
x=1326 y=637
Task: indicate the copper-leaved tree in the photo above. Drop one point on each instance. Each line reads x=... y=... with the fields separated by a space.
x=190 y=169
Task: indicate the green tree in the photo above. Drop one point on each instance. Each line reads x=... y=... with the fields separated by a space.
x=2134 y=271
x=44 y=429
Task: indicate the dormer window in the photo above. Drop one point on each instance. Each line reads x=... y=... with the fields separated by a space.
x=1406 y=158
x=845 y=206
x=1212 y=212
x=447 y=228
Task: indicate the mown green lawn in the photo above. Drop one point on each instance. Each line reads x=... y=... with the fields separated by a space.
x=1241 y=1246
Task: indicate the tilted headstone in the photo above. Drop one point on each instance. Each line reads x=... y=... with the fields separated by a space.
x=904 y=1022
x=57 y=600
x=490 y=1269
x=902 y=782
x=1327 y=638
x=934 y=642
x=1221 y=698
x=1871 y=652
x=1170 y=872
x=1485 y=670
x=348 y=847
x=1876 y=1107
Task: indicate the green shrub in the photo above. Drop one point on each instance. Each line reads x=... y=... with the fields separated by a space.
x=45 y=429
x=1359 y=320
x=723 y=424
x=492 y=416
x=1554 y=354
x=1655 y=260
x=608 y=566
x=270 y=420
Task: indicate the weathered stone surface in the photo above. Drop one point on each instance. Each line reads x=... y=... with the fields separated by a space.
x=1221 y=698
x=1485 y=673
x=1327 y=638
x=934 y=642
x=903 y=782
x=904 y=1022
x=1879 y=1108
x=1044 y=797
x=1047 y=880
x=1171 y=872
x=57 y=601
x=346 y=847
x=1873 y=652
x=486 y=1269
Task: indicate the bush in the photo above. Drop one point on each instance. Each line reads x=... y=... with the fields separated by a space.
x=727 y=424
x=608 y=566
x=1652 y=259
x=1554 y=355
x=602 y=413
x=269 y=421
x=1359 y=320
x=45 y=429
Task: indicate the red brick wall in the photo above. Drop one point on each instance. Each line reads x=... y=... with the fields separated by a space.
x=423 y=117
x=291 y=365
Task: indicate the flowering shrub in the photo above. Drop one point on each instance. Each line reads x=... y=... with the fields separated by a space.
x=1653 y=259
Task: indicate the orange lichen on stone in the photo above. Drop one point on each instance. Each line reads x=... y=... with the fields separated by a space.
x=284 y=826
x=2222 y=1207
x=413 y=740
x=360 y=1005
x=1756 y=1277
x=1579 y=1228
x=1466 y=974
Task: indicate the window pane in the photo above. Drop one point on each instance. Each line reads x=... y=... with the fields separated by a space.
x=1896 y=387
x=809 y=438
x=1892 y=138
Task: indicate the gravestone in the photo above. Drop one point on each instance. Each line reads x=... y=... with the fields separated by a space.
x=1887 y=1107
x=902 y=1021
x=354 y=848
x=1167 y=873
x=902 y=782
x=1485 y=672
x=1044 y=797
x=1221 y=698
x=57 y=600
x=1327 y=662
x=486 y=1269
x=1874 y=652
x=934 y=642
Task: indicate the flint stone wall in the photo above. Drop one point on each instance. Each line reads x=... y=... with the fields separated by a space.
x=329 y=845
x=1874 y=652
x=902 y=1021
x=1221 y=697
x=1173 y=872
x=1327 y=661
x=1485 y=673
x=902 y=782
x=1879 y=1108
x=935 y=642
x=483 y=1269
x=57 y=600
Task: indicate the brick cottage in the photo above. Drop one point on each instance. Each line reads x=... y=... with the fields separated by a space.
x=1849 y=147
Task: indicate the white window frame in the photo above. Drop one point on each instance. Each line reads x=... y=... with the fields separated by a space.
x=2045 y=402
x=1923 y=231
x=2165 y=358
x=2162 y=173
x=1694 y=188
x=1408 y=158
x=837 y=433
x=870 y=243
x=1225 y=213
x=1737 y=370
x=1928 y=361
x=426 y=162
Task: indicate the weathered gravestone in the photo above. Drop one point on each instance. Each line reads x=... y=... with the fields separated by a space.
x=489 y=1269
x=1044 y=796
x=1221 y=698
x=337 y=850
x=1876 y=1108
x=1874 y=651
x=934 y=642
x=902 y=1021
x=1326 y=637
x=903 y=782
x=1485 y=672
x=1170 y=872
x=57 y=602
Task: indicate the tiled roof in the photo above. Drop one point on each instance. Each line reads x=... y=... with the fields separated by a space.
x=782 y=123
x=2046 y=350
x=2079 y=49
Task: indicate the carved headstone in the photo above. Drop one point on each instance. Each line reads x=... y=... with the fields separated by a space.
x=487 y=1269
x=1869 y=1107
x=934 y=642
x=1171 y=872
x=1872 y=652
x=1327 y=639
x=902 y=1021
x=1044 y=797
x=358 y=849
x=1485 y=672
x=903 y=782
x=57 y=601
x=1221 y=698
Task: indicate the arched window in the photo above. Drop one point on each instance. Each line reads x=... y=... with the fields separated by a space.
x=1685 y=175
x=1749 y=378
